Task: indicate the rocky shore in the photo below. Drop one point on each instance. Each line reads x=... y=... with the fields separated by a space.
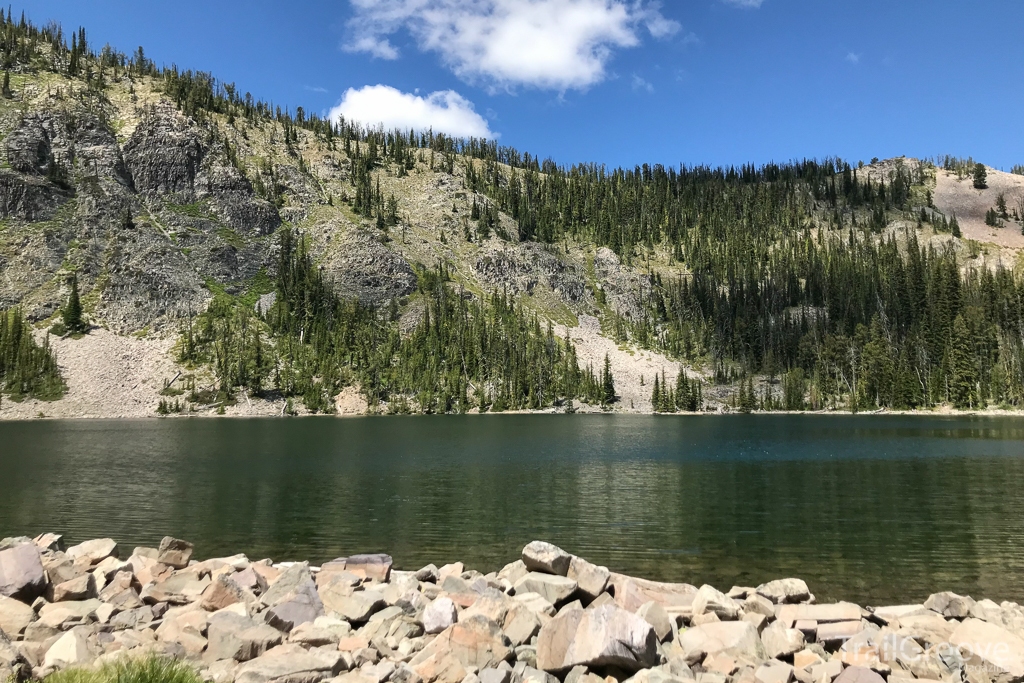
x=547 y=617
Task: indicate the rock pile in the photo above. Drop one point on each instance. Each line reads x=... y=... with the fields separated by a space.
x=548 y=617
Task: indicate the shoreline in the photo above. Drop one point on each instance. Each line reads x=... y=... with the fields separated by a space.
x=547 y=617
x=210 y=414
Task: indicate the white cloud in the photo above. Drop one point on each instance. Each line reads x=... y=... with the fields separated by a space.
x=853 y=58
x=558 y=44
x=445 y=111
x=639 y=83
x=752 y=4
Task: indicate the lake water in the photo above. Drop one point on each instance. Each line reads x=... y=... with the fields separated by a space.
x=876 y=509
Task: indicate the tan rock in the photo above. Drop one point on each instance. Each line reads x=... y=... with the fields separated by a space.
x=476 y=642
x=708 y=599
x=785 y=591
x=774 y=672
x=373 y=567
x=223 y=592
x=82 y=588
x=859 y=674
x=290 y=666
x=540 y=556
x=602 y=636
x=989 y=646
x=631 y=593
x=823 y=614
x=949 y=605
x=174 y=552
x=93 y=552
x=440 y=615
x=780 y=641
x=554 y=589
x=805 y=659
x=655 y=615
x=737 y=639
x=591 y=579
x=71 y=649
x=15 y=616
x=237 y=637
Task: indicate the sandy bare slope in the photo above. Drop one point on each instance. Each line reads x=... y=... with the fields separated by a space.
x=954 y=196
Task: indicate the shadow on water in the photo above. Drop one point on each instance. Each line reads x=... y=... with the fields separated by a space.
x=874 y=509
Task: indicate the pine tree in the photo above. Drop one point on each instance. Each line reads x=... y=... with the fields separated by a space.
x=980 y=176
x=963 y=374
x=72 y=313
x=607 y=382
x=7 y=93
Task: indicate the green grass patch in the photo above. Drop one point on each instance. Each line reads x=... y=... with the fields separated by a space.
x=230 y=236
x=149 y=670
x=193 y=210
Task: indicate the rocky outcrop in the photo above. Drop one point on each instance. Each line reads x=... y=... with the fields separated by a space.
x=519 y=268
x=360 y=620
x=362 y=268
x=164 y=155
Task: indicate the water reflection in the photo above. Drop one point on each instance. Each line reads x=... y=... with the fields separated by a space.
x=874 y=509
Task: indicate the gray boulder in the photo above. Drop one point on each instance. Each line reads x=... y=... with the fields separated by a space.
x=293 y=599
x=291 y=665
x=554 y=589
x=15 y=616
x=785 y=590
x=540 y=556
x=439 y=615
x=21 y=573
x=232 y=636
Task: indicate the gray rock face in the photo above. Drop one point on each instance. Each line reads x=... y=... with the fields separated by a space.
x=519 y=268
x=21 y=573
x=540 y=556
x=597 y=637
x=364 y=269
x=164 y=154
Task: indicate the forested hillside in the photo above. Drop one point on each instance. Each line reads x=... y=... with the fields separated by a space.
x=289 y=257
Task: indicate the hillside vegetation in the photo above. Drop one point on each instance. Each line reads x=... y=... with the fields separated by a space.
x=292 y=257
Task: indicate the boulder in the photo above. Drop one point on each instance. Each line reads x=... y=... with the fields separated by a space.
x=655 y=615
x=475 y=642
x=926 y=627
x=66 y=615
x=737 y=639
x=555 y=589
x=82 y=588
x=176 y=589
x=780 y=641
x=859 y=674
x=590 y=578
x=232 y=636
x=93 y=552
x=838 y=632
x=291 y=665
x=708 y=599
x=546 y=558
x=785 y=591
x=353 y=606
x=631 y=593
x=293 y=599
x=950 y=605
x=439 y=615
x=606 y=636
x=71 y=649
x=21 y=573
x=990 y=647
x=174 y=552
x=374 y=567
x=15 y=616
x=224 y=592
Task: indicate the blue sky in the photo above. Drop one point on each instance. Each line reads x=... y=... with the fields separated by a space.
x=619 y=82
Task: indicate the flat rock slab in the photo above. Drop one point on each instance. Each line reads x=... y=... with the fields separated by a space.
x=15 y=616
x=823 y=614
x=785 y=591
x=554 y=589
x=374 y=567
x=94 y=551
x=991 y=647
x=290 y=667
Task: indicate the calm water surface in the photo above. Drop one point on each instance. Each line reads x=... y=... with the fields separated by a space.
x=874 y=509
